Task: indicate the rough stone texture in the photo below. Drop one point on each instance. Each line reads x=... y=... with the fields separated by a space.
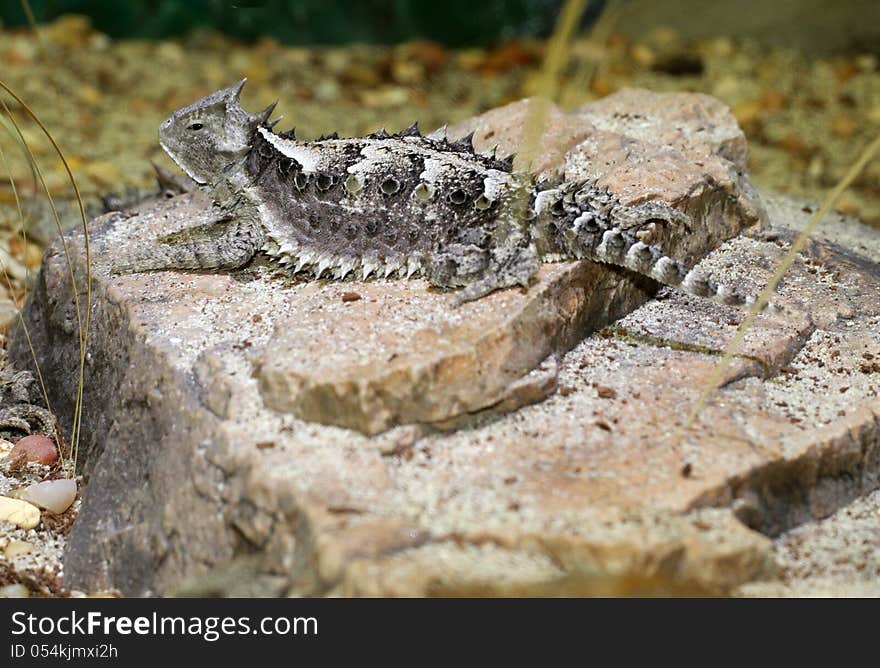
x=683 y=148
x=195 y=483
x=835 y=556
x=401 y=354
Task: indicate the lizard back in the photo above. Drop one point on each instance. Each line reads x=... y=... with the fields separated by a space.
x=380 y=203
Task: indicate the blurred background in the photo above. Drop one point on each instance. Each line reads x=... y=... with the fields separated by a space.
x=801 y=76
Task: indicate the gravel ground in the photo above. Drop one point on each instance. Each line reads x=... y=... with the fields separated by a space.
x=806 y=120
x=836 y=556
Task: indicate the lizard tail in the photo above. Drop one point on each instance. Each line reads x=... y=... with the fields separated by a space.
x=620 y=248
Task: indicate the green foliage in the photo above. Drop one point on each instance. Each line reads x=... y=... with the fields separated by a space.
x=452 y=22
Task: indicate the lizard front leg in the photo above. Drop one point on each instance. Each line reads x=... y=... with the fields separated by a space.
x=510 y=259
x=224 y=244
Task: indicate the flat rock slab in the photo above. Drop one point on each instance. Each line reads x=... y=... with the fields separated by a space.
x=203 y=478
x=369 y=356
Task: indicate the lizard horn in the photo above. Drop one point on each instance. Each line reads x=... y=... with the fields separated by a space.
x=234 y=91
x=263 y=116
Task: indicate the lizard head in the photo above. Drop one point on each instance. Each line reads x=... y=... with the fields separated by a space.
x=212 y=135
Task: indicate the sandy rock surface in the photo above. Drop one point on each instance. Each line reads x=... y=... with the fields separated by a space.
x=203 y=459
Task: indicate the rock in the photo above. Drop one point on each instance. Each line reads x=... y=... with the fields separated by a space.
x=584 y=492
x=35 y=448
x=506 y=127
x=8 y=312
x=17 y=590
x=55 y=495
x=683 y=148
x=20 y=513
x=17 y=548
x=402 y=354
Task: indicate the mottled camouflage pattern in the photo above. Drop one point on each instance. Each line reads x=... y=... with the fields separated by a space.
x=391 y=205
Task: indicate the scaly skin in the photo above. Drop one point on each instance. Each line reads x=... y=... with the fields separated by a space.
x=391 y=205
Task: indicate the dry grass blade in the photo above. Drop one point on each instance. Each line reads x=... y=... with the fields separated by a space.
x=32 y=22
x=9 y=280
x=533 y=127
x=558 y=50
x=764 y=297
x=82 y=321
x=578 y=90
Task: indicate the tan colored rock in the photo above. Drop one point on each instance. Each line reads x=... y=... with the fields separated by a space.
x=683 y=148
x=599 y=488
x=506 y=127
x=20 y=513
x=54 y=495
x=403 y=354
x=17 y=548
x=17 y=590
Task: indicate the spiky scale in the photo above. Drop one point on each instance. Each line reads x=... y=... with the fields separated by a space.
x=409 y=204
x=411 y=131
x=465 y=144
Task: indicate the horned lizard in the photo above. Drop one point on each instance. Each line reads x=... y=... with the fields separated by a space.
x=391 y=205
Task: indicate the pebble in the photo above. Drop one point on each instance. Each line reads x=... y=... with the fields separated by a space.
x=430 y=55
x=55 y=495
x=17 y=548
x=17 y=590
x=8 y=312
x=18 y=512
x=37 y=448
x=747 y=111
x=643 y=55
x=843 y=125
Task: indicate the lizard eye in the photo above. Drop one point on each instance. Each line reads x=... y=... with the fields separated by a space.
x=195 y=126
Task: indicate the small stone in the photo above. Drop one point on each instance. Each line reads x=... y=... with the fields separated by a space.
x=773 y=100
x=105 y=173
x=17 y=548
x=602 y=86
x=843 y=125
x=361 y=74
x=18 y=512
x=796 y=146
x=88 y=94
x=606 y=392
x=386 y=96
x=846 y=70
x=55 y=495
x=350 y=296
x=36 y=448
x=69 y=30
x=747 y=111
x=16 y=590
x=431 y=55
x=33 y=255
x=407 y=72
x=642 y=55
x=8 y=312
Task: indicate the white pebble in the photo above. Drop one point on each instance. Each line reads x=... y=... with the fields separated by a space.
x=54 y=495
x=14 y=591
